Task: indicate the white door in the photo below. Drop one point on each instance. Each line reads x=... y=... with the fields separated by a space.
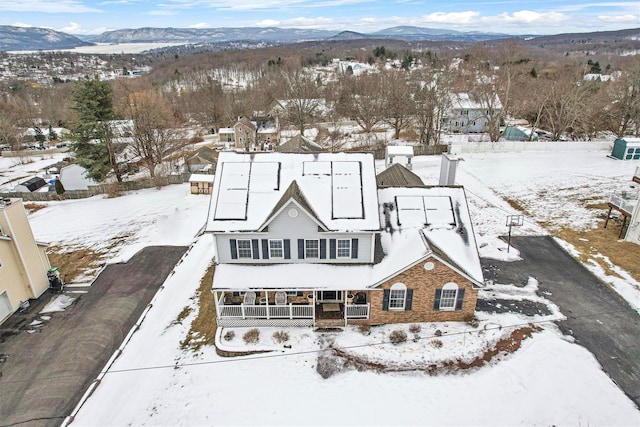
x=5 y=306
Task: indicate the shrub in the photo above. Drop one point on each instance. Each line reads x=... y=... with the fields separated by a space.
x=364 y=328
x=415 y=328
x=252 y=336
x=472 y=321
x=229 y=335
x=436 y=343
x=328 y=364
x=438 y=333
x=398 y=337
x=281 y=336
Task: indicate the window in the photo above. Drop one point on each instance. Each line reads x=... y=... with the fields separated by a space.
x=344 y=248
x=244 y=249
x=448 y=296
x=276 y=249
x=312 y=249
x=397 y=296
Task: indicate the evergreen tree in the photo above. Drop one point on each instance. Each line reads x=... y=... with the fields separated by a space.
x=59 y=187
x=92 y=103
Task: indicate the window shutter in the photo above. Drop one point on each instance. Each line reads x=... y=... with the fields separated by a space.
x=409 y=300
x=257 y=294
x=460 y=299
x=234 y=249
x=299 y=294
x=265 y=249
x=300 y=248
x=323 y=248
x=436 y=302
x=354 y=248
x=332 y=248
x=287 y=249
x=385 y=300
x=255 y=248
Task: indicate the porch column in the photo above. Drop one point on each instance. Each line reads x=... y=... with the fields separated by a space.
x=266 y=302
x=215 y=300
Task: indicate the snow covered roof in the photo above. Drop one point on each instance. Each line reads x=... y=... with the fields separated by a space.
x=200 y=177
x=464 y=101
x=423 y=222
x=340 y=188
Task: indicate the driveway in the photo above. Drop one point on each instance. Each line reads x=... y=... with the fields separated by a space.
x=47 y=369
x=597 y=317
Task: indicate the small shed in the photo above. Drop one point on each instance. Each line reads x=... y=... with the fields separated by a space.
x=75 y=177
x=626 y=148
x=201 y=183
x=30 y=185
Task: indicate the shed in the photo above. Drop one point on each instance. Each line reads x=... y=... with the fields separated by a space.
x=626 y=148
x=401 y=151
x=30 y=185
x=201 y=183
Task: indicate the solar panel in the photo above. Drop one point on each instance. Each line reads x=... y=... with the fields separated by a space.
x=233 y=192
x=439 y=210
x=316 y=168
x=346 y=190
x=411 y=211
x=421 y=211
x=265 y=177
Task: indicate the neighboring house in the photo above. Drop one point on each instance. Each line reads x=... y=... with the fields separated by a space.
x=226 y=136
x=267 y=132
x=467 y=115
x=204 y=158
x=245 y=134
x=201 y=183
x=300 y=144
x=311 y=240
x=74 y=177
x=23 y=261
x=626 y=148
x=31 y=185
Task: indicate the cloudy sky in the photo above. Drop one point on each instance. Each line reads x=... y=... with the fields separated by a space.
x=506 y=16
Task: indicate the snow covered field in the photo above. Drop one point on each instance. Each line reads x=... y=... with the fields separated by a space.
x=547 y=381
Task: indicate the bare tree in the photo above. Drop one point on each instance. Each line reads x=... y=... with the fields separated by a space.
x=399 y=105
x=623 y=112
x=432 y=100
x=154 y=126
x=302 y=98
x=362 y=100
x=13 y=113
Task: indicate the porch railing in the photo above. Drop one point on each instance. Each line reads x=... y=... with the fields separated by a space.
x=356 y=311
x=288 y=311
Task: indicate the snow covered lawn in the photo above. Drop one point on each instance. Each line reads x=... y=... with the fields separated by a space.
x=549 y=380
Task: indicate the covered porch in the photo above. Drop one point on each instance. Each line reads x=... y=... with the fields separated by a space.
x=286 y=307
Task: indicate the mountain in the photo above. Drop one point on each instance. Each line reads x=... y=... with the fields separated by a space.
x=209 y=35
x=31 y=38
x=408 y=33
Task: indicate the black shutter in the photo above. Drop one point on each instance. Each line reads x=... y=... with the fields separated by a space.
x=234 y=249
x=323 y=248
x=436 y=302
x=460 y=299
x=299 y=294
x=407 y=304
x=265 y=249
x=287 y=249
x=385 y=300
x=300 y=248
x=255 y=248
x=354 y=248
x=332 y=248
x=257 y=294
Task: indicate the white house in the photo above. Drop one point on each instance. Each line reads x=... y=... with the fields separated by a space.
x=468 y=115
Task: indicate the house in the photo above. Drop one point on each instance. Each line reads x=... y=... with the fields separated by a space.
x=201 y=183
x=31 y=185
x=300 y=144
x=203 y=158
x=226 y=136
x=626 y=148
x=468 y=115
x=245 y=134
x=23 y=261
x=311 y=240
x=74 y=177
x=267 y=132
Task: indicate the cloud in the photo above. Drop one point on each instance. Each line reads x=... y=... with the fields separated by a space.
x=527 y=17
x=200 y=25
x=46 y=6
x=267 y=23
x=162 y=12
x=467 y=17
x=319 y=22
x=618 y=18
x=75 y=28
x=21 y=25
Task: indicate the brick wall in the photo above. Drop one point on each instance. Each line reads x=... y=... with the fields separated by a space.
x=424 y=284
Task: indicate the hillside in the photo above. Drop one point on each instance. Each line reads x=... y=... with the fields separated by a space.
x=31 y=38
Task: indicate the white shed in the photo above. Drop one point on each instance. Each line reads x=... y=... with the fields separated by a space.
x=398 y=153
x=74 y=177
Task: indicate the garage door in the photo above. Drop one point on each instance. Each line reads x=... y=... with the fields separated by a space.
x=5 y=306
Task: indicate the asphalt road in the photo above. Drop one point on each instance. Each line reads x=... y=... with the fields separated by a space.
x=597 y=317
x=46 y=372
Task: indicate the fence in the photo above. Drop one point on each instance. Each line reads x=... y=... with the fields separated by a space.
x=102 y=189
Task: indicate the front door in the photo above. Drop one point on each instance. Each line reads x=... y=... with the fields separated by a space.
x=326 y=296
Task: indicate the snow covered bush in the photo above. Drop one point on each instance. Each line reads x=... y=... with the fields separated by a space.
x=398 y=336
x=252 y=336
x=415 y=328
x=230 y=335
x=364 y=328
x=436 y=343
x=328 y=364
x=281 y=336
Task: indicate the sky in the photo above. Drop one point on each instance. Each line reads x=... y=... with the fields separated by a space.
x=504 y=16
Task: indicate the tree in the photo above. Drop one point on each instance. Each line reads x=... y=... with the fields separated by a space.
x=432 y=101
x=153 y=126
x=13 y=115
x=623 y=95
x=361 y=99
x=399 y=106
x=92 y=104
x=302 y=97
x=59 y=187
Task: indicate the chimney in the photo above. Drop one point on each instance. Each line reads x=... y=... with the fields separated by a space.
x=448 y=168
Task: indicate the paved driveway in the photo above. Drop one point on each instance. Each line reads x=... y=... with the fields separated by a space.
x=46 y=372
x=597 y=317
